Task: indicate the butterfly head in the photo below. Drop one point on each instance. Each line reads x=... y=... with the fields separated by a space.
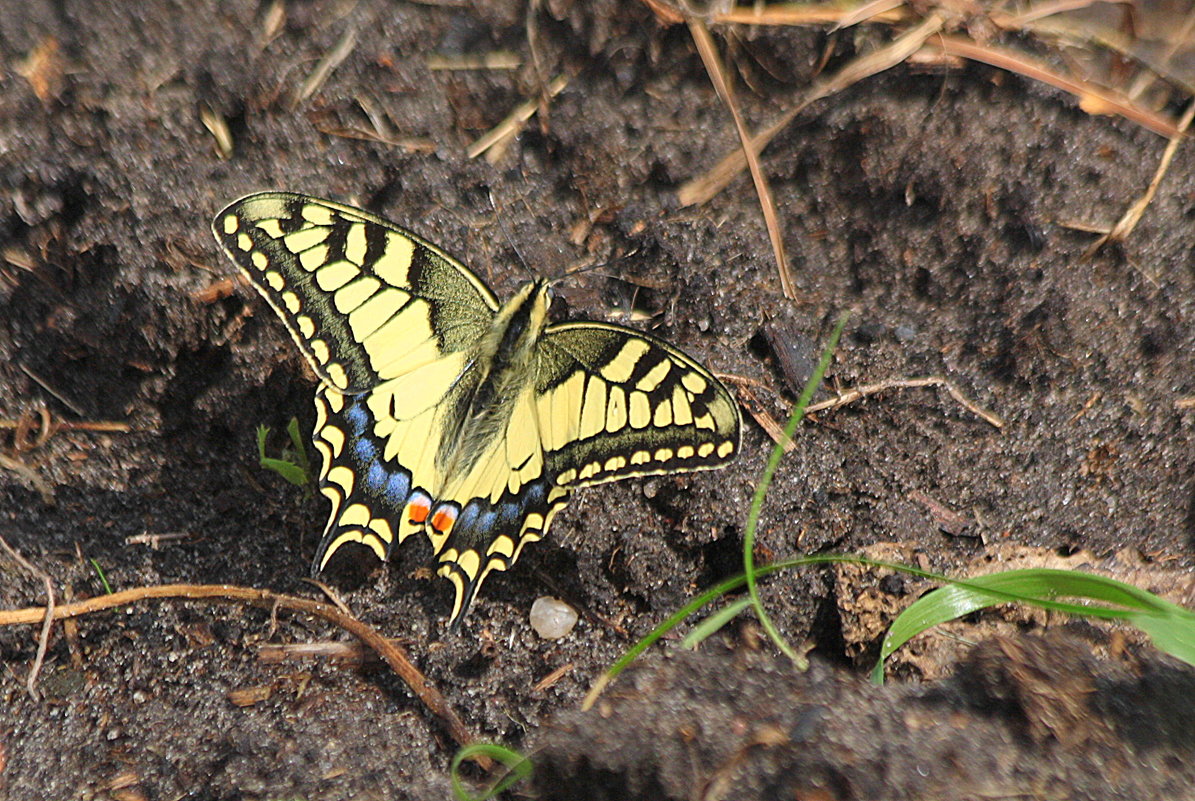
x=521 y=319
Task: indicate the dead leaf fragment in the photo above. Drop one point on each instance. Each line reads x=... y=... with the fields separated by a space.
x=248 y=696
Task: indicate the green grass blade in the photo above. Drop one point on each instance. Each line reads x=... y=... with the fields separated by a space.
x=519 y=769
x=290 y=471
x=761 y=491
x=300 y=449
x=103 y=579
x=1171 y=627
x=714 y=623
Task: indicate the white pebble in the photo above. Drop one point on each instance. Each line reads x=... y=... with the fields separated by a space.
x=552 y=618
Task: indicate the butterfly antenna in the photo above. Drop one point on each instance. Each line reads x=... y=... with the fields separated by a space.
x=506 y=232
x=569 y=272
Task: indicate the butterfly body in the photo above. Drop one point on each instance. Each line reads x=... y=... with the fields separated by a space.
x=441 y=411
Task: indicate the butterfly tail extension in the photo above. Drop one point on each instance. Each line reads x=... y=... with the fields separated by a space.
x=484 y=537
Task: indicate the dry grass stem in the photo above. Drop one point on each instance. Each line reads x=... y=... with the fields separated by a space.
x=353 y=652
x=217 y=126
x=1128 y=221
x=749 y=401
x=801 y=14
x=29 y=474
x=331 y=60
x=154 y=540
x=553 y=677
x=272 y=23
x=713 y=66
x=1092 y=98
x=43 y=640
x=872 y=11
x=858 y=393
x=497 y=60
x=378 y=130
x=704 y=187
x=41 y=382
x=394 y=655
x=1043 y=10
x=331 y=594
x=503 y=133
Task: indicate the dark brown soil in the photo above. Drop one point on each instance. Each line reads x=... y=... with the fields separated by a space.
x=929 y=202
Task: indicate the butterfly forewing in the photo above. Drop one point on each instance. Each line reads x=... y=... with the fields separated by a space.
x=388 y=322
x=613 y=402
x=365 y=300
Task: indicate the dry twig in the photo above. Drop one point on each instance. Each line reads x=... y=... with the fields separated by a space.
x=394 y=655
x=1128 y=221
x=1092 y=98
x=701 y=189
x=501 y=134
x=331 y=60
x=858 y=393
x=751 y=403
x=801 y=14
x=43 y=640
x=29 y=474
x=553 y=677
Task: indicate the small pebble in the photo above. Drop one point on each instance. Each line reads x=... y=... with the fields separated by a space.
x=552 y=618
x=904 y=333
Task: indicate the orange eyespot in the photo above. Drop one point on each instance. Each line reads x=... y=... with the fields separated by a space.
x=418 y=509
x=443 y=519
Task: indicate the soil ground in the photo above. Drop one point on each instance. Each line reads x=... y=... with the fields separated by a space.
x=931 y=202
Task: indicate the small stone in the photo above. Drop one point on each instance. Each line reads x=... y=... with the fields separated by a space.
x=904 y=333
x=552 y=618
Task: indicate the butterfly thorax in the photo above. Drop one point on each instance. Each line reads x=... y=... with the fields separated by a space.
x=504 y=363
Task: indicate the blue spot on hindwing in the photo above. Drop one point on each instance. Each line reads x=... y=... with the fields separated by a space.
x=398 y=487
x=534 y=496
x=389 y=483
x=376 y=477
x=485 y=524
x=466 y=521
x=508 y=515
x=358 y=416
x=366 y=452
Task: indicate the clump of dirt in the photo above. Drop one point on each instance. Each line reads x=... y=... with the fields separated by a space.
x=1026 y=713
